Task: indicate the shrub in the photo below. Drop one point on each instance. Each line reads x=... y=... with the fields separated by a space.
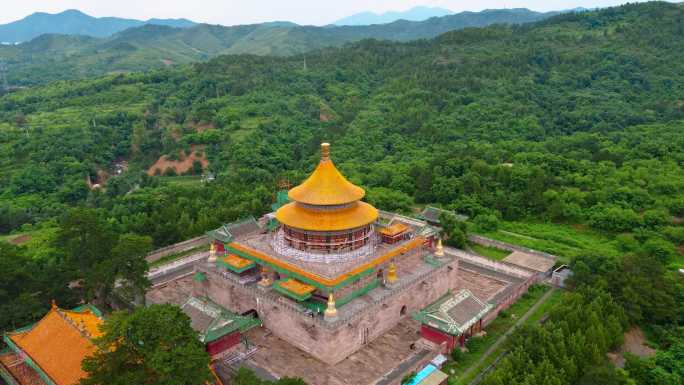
x=487 y=222
x=170 y=171
x=457 y=354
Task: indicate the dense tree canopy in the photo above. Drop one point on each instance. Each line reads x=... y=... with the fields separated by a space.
x=154 y=345
x=573 y=119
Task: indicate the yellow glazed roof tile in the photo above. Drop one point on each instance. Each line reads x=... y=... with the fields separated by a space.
x=326 y=185
x=236 y=261
x=297 y=287
x=357 y=215
x=57 y=345
x=393 y=230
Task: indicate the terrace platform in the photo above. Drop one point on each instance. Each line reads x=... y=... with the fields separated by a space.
x=372 y=363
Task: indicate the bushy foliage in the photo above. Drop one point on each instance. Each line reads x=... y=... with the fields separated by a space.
x=575 y=338
x=154 y=345
x=553 y=120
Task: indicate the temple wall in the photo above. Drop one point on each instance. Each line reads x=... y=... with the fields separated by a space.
x=331 y=343
x=360 y=284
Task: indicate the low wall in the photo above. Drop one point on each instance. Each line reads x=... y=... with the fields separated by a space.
x=513 y=296
x=484 y=241
x=173 y=270
x=529 y=278
x=177 y=248
x=487 y=263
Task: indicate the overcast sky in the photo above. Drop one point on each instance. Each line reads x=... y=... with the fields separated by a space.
x=231 y=12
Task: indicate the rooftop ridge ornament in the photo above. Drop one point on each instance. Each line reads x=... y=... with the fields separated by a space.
x=325 y=151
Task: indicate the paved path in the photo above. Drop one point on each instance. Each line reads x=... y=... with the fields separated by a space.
x=510 y=331
x=402 y=368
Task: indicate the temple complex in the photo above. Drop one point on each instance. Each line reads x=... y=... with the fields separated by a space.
x=345 y=294
x=50 y=351
x=327 y=272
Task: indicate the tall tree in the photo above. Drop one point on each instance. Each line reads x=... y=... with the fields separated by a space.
x=100 y=257
x=154 y=345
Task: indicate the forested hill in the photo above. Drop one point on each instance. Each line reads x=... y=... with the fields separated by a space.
x=52 y=57
x=74 y=22
x=575 y=119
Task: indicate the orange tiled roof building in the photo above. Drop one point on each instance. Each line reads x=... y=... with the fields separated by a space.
x=326 y=271
x=51 y=350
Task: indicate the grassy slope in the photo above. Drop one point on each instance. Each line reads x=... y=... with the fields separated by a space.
x=565 y=241
x=489 y=252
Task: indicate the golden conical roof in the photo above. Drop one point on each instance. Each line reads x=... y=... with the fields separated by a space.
x=356 y=215
x=326 y=185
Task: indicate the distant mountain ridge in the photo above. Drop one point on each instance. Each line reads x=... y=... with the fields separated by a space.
x=419 y=13
x=54 y=57
x=74 y=22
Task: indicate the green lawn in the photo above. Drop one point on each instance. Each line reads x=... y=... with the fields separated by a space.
x=494 y=330
x=544 y=309
x=489 y=252
x=565 y=241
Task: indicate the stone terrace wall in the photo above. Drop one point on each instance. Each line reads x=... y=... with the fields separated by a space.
x=530 y=278
x=177 y=248
x=487 y=263
x=331 y=343
x=509 y=300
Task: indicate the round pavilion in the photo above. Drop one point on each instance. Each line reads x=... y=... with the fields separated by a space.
x=326 y=214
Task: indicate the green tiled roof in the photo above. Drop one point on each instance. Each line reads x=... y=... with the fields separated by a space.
x=453 y=313
x=213 y=321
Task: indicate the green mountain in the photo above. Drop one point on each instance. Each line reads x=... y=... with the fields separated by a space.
x=586 y=107
x=73 y=22
x=153 y=46
x=419 y=13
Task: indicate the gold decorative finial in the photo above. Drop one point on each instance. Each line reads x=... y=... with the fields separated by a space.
x=392 y=273
x=212 y=253
x=330 y=312
x=439 y=252
x=54 y=305
x=325 y=151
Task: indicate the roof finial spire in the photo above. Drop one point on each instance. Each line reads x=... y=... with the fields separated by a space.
x=325 y=151
x=53 y=306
